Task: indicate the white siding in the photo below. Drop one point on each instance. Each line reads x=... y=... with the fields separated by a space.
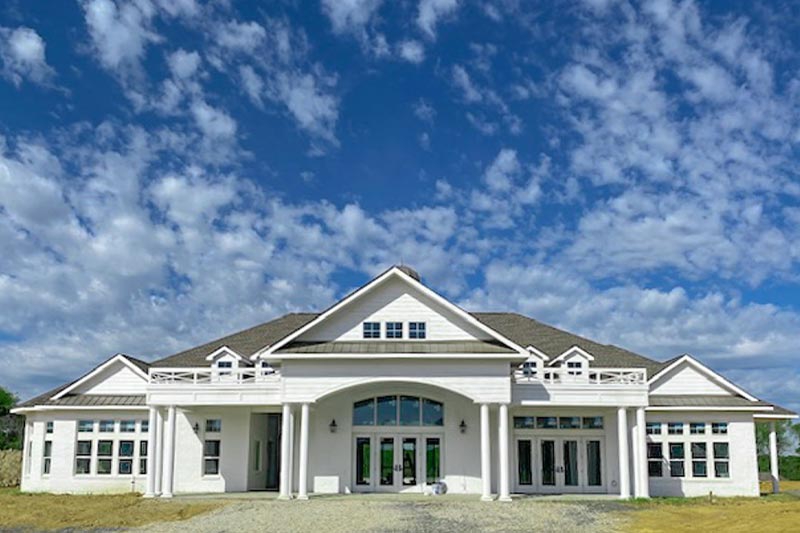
x=687 y=380
x=117 y=379
x=394 y=301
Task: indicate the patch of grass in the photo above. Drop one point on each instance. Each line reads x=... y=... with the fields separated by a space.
x=786 y=485
x=779 y=512
x=53 y=511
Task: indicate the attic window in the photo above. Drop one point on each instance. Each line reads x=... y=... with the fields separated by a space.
x=372 y=330
x=394 y=330
x=574 y=367
x=416 y=330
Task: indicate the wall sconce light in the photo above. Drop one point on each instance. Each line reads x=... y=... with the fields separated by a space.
x=462 y=427
x=196 y=428
x=332 y=426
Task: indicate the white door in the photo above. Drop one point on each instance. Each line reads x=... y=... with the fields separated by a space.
x=560 y=464
x=396 y=463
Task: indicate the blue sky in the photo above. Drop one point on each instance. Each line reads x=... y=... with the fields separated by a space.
x=171 y=171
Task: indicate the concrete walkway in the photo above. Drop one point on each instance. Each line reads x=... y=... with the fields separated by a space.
x=392 y=513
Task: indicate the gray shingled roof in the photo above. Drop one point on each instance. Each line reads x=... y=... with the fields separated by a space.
x=377 y=347
x=717 y=400
x=96 y=400
x=552 y=341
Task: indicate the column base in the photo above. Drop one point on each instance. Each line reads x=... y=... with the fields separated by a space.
x=504 y=499
x=302 y=497
x=487 y=498
x=166 y=495
x=149 y=495
x=284 y=497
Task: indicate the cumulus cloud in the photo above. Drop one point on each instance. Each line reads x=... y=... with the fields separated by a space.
x=429 y=12
x=213 y=122
x=120 y=33
x=22 y=53
x=350 y=15
x=412 y=51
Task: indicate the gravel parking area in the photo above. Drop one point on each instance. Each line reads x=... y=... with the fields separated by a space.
x=401 y=514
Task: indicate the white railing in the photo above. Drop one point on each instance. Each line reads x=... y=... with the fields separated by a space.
x=213 y=376
x=577 y=376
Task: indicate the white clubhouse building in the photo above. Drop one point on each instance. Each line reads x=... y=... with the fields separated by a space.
x=396 y=389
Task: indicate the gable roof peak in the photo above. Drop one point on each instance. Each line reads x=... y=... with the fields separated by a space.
x=405 y=269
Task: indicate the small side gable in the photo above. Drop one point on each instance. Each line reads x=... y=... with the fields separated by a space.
x=687 y=376
x=116 y=376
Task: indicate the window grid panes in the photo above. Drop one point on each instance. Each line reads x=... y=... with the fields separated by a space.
x=83 y=457
x=398 y=410
x=211 y=454
x=653 y=428
x=394 y=330
x=85 y=426
x=554 y=422
x=675 y=428
x=719 y=428
x=142 y=457
x=372 y=330
x=213 y=425
x=127 y=426
x=697 y=428
x=676 y=459
x=46 y=456
x=416 y=330
x=106 y=426
x=49 y=427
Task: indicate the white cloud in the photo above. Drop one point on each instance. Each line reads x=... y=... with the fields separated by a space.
x=412 y=51
x=503 y=170
x=314 y=110
x=463 y=82
x=120 y=33
x=350 y=15
x=431 y=11
x=424 y=111
x=183 y=64
x=241 y=36
x=22 y=53
x=214 y=123
x=253 y=84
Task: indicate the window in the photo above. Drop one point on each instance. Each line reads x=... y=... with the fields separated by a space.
x=394 y=330
x=432 y=413
x=546 y=422
x=699 y=455
x=721 y=459
x=257 y=456
x=529 y=368
x=653 y=428
x=592 y=422
x=409 y=411
x=569 y=422
x=697 y=428
x=85 y=426
x=211 y=450
x=655 y=459
x=416 y=330
x=125 y=463
x=719 y=428
x=83 y=457
x=224 y=368
x=213 y=425
x=364 y=413
x=127 y=426
x=372 y=330
x=106 y=426
x=142 y=457
x=48 y=453
x=675 y=428
x=676 y=456
x=144 y=426
x=524 y=422
x=105 y=449
x=575 y=368
x=387 y=410
x=49 y=427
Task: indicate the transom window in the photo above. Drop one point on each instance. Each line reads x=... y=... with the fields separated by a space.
x=127 y=426
x=675 y=428
x=416 y=330
x=653 y=428
x=719 y=428
x=213 y=425
x=398 y=411
x=553 y=422
x=394 y=330
x=106 y=426
x=85 y=426
x=372 y=330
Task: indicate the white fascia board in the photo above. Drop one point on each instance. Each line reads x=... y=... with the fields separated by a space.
x=423 y=356
x=40 y=408
x=716 y=408
x=774 y=416
x=706 y=371
x=223 y=350
x=534 y=351
x=574 y=348
x=394 y=271
x=97 y=370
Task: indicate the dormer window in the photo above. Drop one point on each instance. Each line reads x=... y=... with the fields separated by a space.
x=416 y=330
x=372 y=330
x=394 y=330
x=574 y=368
x=225 y=367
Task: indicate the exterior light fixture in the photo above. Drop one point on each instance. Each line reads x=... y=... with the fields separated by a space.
x=332 y=426
x=462 y=427
x=196 y=428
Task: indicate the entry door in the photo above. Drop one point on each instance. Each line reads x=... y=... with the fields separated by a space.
x=398 y=463
x=559 y=464
x=563 y=464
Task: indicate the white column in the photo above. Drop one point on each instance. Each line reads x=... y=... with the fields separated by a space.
x=486 y=455
x=158 y=453
x=291 y=450
x=502 y=426
x=151 y=453
x=634 y=451
x=774 y=474
x=624 y=459
x=285 y=491
x=302 y=488
x=641 y=440
x=169 y=454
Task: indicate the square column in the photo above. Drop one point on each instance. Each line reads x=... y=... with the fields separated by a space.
x=502 y=426
x=624 y=459
x=152 y=450
x=285 y=481
x=641 y=441
x=302 y=483
x=486 y=455
x=169 y=454
x=774 y=473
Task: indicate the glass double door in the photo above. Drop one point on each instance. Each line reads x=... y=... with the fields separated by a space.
x=560 y=464
x=396 y=463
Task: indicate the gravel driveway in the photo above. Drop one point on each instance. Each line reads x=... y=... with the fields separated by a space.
x=400 y=514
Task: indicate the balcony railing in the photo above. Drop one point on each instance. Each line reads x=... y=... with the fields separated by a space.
x=587 y=376
x=213 y=376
